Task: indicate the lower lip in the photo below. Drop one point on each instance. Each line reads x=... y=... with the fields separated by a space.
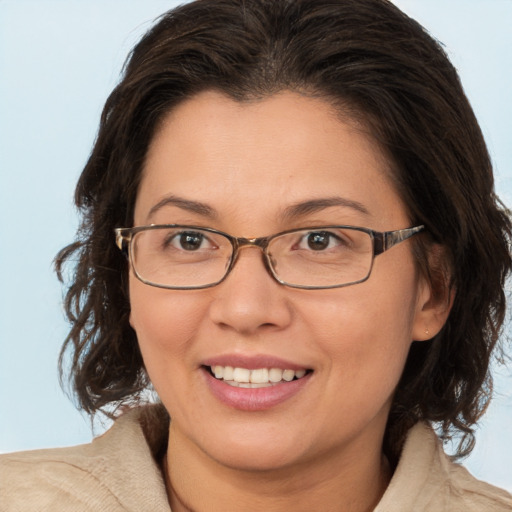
x=254 y=399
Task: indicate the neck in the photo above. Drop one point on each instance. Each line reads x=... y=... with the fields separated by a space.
x=333 y=483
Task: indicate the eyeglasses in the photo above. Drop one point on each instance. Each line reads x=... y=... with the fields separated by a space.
x=190 y=257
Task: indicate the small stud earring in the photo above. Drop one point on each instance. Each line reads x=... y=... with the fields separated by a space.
x=427 y=332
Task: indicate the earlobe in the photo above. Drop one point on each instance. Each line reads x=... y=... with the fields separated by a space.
x=436 y=293
x=433 y=308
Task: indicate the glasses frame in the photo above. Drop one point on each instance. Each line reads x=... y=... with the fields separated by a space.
x=381 y=242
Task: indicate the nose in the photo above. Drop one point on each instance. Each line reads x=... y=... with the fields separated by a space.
x=250 y=299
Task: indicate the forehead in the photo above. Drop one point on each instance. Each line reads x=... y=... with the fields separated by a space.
x=262 y=156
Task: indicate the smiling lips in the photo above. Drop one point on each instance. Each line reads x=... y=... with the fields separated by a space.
x=254 y=383
x=257 y=378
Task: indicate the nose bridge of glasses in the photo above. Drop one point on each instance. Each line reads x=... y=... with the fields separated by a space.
x=252 y=242
x=247 y=243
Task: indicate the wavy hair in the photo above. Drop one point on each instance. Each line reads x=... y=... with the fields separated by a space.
x=369 y=60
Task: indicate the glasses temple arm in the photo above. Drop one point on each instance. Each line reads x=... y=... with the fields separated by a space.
x=384 y=241
x=122 y=240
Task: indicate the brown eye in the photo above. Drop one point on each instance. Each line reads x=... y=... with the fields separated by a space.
x=319 y=241
x=191 y=241
x=188 y=241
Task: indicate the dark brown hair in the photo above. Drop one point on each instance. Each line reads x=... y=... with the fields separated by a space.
x=368 y=59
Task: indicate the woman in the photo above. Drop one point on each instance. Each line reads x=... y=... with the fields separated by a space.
x=290 y=232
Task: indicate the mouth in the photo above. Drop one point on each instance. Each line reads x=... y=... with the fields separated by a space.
x=255 y=378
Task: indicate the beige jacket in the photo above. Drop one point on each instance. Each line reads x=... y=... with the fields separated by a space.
x=118 y=472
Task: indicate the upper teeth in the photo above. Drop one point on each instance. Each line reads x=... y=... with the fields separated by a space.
x=261 y=376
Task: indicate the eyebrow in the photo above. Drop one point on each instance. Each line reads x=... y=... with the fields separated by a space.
x=315 y=205
x=185 y=204
x=299 y=209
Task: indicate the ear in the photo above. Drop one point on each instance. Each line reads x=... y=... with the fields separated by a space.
x=435 y=296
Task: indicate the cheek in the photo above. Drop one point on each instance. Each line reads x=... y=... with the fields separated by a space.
x=364 y=333
x=165 y=322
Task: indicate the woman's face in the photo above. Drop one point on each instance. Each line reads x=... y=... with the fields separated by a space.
x=245 y=169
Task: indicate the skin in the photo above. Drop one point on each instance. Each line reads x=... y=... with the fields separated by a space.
x=322 y=448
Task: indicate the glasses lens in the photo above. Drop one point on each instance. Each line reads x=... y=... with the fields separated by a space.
x=324 y=257
x=180 y=257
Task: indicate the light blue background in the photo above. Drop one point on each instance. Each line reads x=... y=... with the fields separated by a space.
x=58 y=61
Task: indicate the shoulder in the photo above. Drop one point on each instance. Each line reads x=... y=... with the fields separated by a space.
x=427 y=480
x=471 y=494
x=116 y=471
x=57 y=479
x=60 y=478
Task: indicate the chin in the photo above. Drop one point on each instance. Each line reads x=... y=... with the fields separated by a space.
x=255 y=452
x=255 y=460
